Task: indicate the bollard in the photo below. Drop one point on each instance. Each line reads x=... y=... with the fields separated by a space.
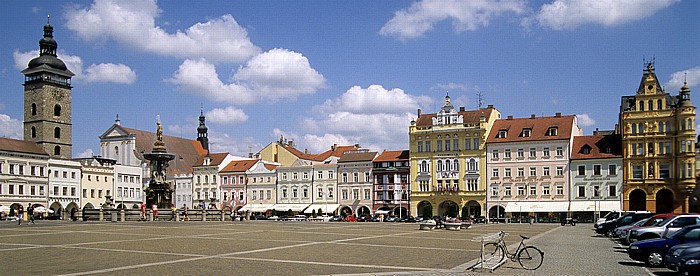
x=113 y=214
x=102 y=215
x=122 y=215
x=150 y=216
x=204 y=215
x=223 y=215
x=177 y=215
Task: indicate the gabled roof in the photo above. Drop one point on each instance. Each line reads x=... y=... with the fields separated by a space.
x=357 y=156
x=539 y=127
x=601 y=146
x=469 y=116
x=216 y=159
x=335 y=151
x=239 y=165
x=392 y=156
x=270 y=167
x=13 y=145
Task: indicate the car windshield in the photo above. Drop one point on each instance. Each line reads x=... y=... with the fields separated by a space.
x=641 y=222
x=683 y=231
x=657 y=222
x=665 y=221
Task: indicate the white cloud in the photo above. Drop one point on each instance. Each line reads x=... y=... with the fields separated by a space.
x=200 y=77
x=273 y=75
x=569 y=14
x=280 y=73
x=86 y=153
x=228 y=115
x=10 y=127
x=375 y=99
x=318 y=144
x=223 y=142
x=585 y=120
x=110 y=72
x=132 y=23
x=692 y=76
x=451 y=87
x=420 y=17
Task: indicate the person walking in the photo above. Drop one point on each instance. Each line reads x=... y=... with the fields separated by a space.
x=30 y=212
x=72 y=214
x=20 y=212
x=173 y=211
x=142 y=212
x=154 y=208
x=185 y=216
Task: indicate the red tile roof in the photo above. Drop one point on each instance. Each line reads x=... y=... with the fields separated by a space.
x=599 y=146
x=239 y=165
x=270 y=166
x=7 y=144
x=392 y=156
x=335 y=151
x=538 y=129
x=469 y=116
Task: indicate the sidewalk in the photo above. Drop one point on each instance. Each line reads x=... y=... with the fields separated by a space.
x=575 y=250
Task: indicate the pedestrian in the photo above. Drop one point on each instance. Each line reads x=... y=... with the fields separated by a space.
x=72 y=214
x=154 y=208
x=173 y=212
x=30 y=213
x=20 y=212
x=142 y=211
x=185 y=216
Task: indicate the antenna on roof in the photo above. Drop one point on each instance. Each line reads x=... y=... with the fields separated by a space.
x=479 y=98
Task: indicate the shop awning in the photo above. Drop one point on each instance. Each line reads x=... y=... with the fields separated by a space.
x=257 y=207
x=326 y=208
x=592 y=205
x=537 y=206
x=294 y=207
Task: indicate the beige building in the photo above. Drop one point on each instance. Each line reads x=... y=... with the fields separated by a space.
x=23 y=173
x=285 y=153
x=97 y=181
x=448 y=161
x=658 y=140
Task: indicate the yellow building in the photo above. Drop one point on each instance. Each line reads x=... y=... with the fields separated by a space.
x=658 y=134
x=448 y=161
x=285 y=153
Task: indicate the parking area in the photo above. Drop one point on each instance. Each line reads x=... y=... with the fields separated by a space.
x=250 y=247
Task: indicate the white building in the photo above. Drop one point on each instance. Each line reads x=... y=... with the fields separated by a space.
x=23 y=173
x=260 y=187
x=293 y=188
x=596 y=176
x=206 y=187
x=183 y=189
x=64 y=186
x=324 y=189
x=128 y=187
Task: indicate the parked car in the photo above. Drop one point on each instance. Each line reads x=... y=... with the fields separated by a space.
x=664 y=228
x=419 y=219
x=364 y=218
x=275 y=218
x=614 y=215
x=652 y=221
x=391 y=219
x=621 y=232
x=607 y=227
x=480 y=219
x=336 y=218
x=684 y=258
x=407 y=219
x=652 y=251
x=299 y=218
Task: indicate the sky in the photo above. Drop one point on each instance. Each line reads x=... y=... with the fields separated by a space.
x=342 y=72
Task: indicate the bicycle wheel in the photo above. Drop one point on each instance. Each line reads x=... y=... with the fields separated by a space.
x=530 y=257
x=493 y=253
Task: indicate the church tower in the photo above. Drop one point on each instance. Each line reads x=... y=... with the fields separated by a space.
x=202 y=131
x=47 y=100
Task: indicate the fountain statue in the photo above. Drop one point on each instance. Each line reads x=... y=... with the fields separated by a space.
x=158 y=191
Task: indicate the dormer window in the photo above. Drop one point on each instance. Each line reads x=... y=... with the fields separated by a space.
x=527 y=132
x=502 y=134
x=586 y=149
x=552 y=131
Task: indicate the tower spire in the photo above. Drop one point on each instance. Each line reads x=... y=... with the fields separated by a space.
x=202 y=129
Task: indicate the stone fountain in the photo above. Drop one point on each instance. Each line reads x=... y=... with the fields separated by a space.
x=158 y=191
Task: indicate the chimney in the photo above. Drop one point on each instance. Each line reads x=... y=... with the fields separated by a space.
x=510 y=117
x=557 y=115
x=419 y=112
x=490 y=106
x=595 y=132
x=306 y=151
x=290 y=143
x=461 y=108
x=532 y=116
x=357 y=146
x=334 y=146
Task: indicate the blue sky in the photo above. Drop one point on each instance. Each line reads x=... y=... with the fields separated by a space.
x=351 y=72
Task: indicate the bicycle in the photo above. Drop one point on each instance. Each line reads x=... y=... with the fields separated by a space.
x=529 y=257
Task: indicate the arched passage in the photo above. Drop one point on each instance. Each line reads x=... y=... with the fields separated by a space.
x=400 y=212
x=664 y=201
x=425 y=209
x=472 y=209
x=448 y=208
x=345 y=211
x=638 y=200
x=497 y=211
x=88 y=206
x=364 y=210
